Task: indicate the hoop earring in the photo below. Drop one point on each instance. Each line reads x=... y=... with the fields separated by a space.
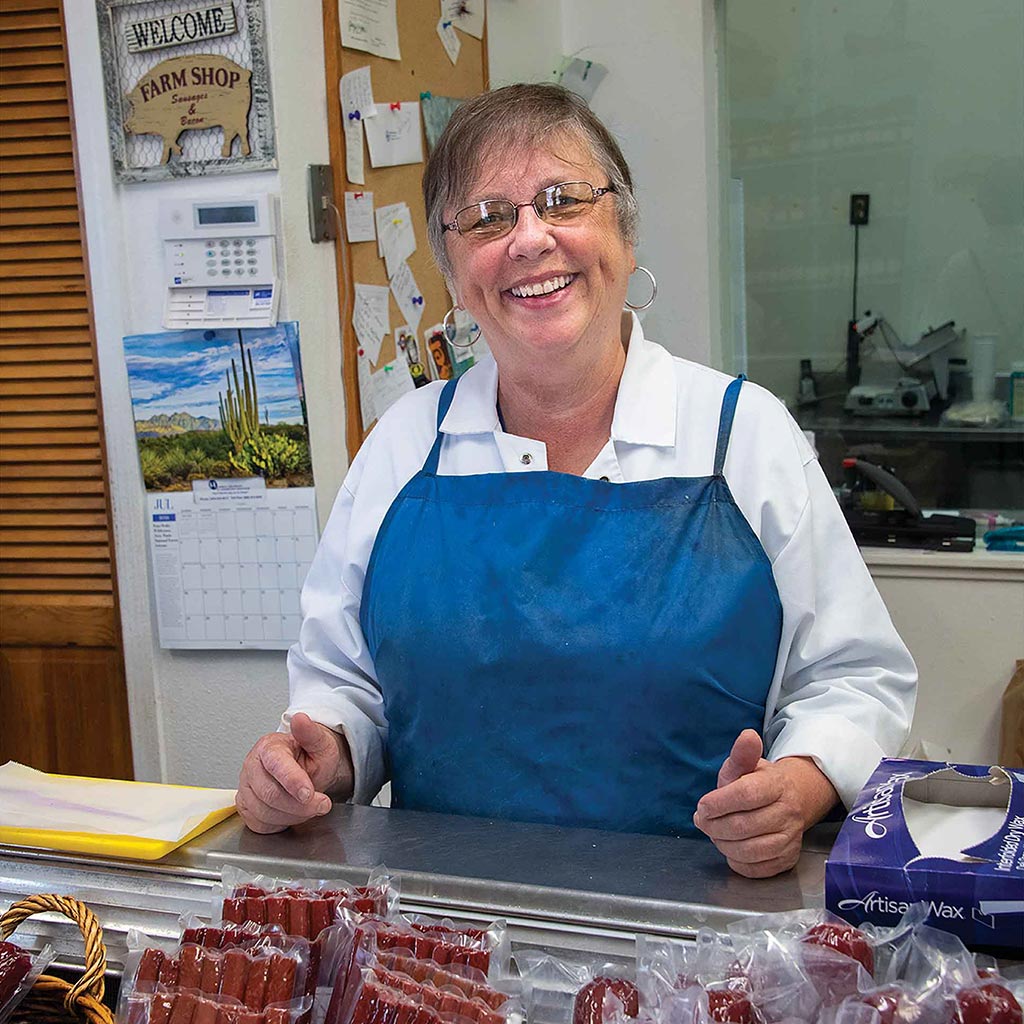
x=451 y=331
x=654 y=292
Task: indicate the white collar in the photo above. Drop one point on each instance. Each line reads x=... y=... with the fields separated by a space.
x=645 y=406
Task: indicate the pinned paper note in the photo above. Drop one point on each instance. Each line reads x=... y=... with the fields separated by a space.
x=581 y=76
x=367 y=406
x=389 y=383
x=370 y=318
x=467 y=15
x=396 y=239
x=394 y=134
x=449 y=39
x=408 y=348
x=359 y=225
x=357 y=93
x=370 y=25
x=407 y=295
x=437 y=112
x=354 y=149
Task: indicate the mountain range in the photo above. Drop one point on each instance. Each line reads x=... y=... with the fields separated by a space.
x=176 y=423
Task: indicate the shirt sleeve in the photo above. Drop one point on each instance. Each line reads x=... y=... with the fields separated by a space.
x=845 y=682
x=330 y=672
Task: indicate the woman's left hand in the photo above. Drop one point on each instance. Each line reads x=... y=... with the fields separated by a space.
x=759 y=812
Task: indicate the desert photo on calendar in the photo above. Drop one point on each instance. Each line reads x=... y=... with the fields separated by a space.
x=214 y=404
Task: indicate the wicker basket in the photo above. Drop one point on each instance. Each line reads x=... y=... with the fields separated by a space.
x=52 y=999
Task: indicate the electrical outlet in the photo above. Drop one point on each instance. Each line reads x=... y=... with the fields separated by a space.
x=320 y=200
x=860 y=202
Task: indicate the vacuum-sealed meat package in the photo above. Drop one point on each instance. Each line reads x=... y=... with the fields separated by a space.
x=18 y=972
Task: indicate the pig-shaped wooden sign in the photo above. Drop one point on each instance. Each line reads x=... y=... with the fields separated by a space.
x=188 y=93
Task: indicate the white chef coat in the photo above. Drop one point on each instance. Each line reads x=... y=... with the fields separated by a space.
x=844 y=683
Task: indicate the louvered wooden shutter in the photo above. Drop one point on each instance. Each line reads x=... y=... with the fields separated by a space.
x=56 y=565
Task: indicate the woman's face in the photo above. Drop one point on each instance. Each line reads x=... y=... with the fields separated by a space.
x=586 y=259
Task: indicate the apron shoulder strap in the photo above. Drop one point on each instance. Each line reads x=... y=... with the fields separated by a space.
x=732 y=393
x=443 y=404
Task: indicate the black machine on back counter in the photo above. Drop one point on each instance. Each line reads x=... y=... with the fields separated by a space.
x=869 y=499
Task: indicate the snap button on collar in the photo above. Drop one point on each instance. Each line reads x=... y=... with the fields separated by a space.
x=526 y=458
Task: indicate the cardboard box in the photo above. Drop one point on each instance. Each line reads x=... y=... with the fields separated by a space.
x=951 y=835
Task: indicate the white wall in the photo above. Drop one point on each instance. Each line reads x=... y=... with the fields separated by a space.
x=194 y=714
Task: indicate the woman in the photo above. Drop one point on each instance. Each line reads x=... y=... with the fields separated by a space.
x=581 y=584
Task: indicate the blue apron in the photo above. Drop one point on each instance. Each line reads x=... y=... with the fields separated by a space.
x=557 y=649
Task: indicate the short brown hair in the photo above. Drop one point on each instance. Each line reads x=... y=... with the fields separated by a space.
x=517 y=116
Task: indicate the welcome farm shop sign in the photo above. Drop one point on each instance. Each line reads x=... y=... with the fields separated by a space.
x=187 y=88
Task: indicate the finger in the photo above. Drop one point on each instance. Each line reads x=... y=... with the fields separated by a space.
x=765 y=869
x=278 y=817
x=743 y=758
x=252 y=819
x=748 y=793
x=277 y=758
x=749 y=824
x=270 y=794
x=758 y=850
x=315 y=739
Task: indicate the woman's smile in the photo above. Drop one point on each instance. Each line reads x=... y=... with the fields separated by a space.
x=541 y=291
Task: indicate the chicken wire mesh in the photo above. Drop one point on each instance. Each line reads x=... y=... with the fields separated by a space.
x=154 y=149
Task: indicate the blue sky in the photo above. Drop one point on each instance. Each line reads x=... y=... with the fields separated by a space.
x=183 y=371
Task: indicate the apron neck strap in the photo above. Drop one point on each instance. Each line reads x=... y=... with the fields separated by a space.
x=732 y=393
x=443 y=404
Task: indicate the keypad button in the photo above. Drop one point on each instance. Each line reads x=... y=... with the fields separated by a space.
x=210 y=242
x=239 y=271
x=238 y=241
x=253 y=270
x=251 y=260
x=212 y=273
x=211 y=263
x=226 y=272
x=238 y=262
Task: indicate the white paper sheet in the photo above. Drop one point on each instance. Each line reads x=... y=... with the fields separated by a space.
x=36 y=800
x=354 y=151
x=468 y=15
x=389 y=383
x=394 y=134
x=449 y=39
x=370 y=25
x=357 y=93
x=359 y=225
x=581 y=76
x=939 y=830
x=228 y=565
x=370 y=318
x=408 y=295
x=396 y=239
x=367 y=405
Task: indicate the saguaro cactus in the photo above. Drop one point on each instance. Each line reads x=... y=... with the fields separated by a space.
x=240 y=409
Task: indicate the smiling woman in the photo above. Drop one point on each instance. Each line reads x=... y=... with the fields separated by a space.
x=632 y=589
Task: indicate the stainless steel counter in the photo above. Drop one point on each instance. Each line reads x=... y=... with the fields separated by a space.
x=564 y=889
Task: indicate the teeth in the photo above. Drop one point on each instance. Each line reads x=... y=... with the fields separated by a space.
x=542 y=287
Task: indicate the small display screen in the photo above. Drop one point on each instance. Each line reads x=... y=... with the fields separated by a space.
x=226 y=214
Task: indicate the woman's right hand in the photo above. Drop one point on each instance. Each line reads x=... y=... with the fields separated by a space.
x=286 y=777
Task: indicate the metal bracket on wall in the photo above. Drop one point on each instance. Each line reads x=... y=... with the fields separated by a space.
x=323 y=216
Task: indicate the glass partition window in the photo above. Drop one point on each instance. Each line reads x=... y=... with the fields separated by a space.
x=901 y=338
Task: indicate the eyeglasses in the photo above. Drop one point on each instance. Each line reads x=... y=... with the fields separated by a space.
x=556 y=204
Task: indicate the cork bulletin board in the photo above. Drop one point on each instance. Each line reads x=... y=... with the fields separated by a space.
x=424 y=67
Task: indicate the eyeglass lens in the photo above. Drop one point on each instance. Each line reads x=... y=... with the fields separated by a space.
x=556 y=204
